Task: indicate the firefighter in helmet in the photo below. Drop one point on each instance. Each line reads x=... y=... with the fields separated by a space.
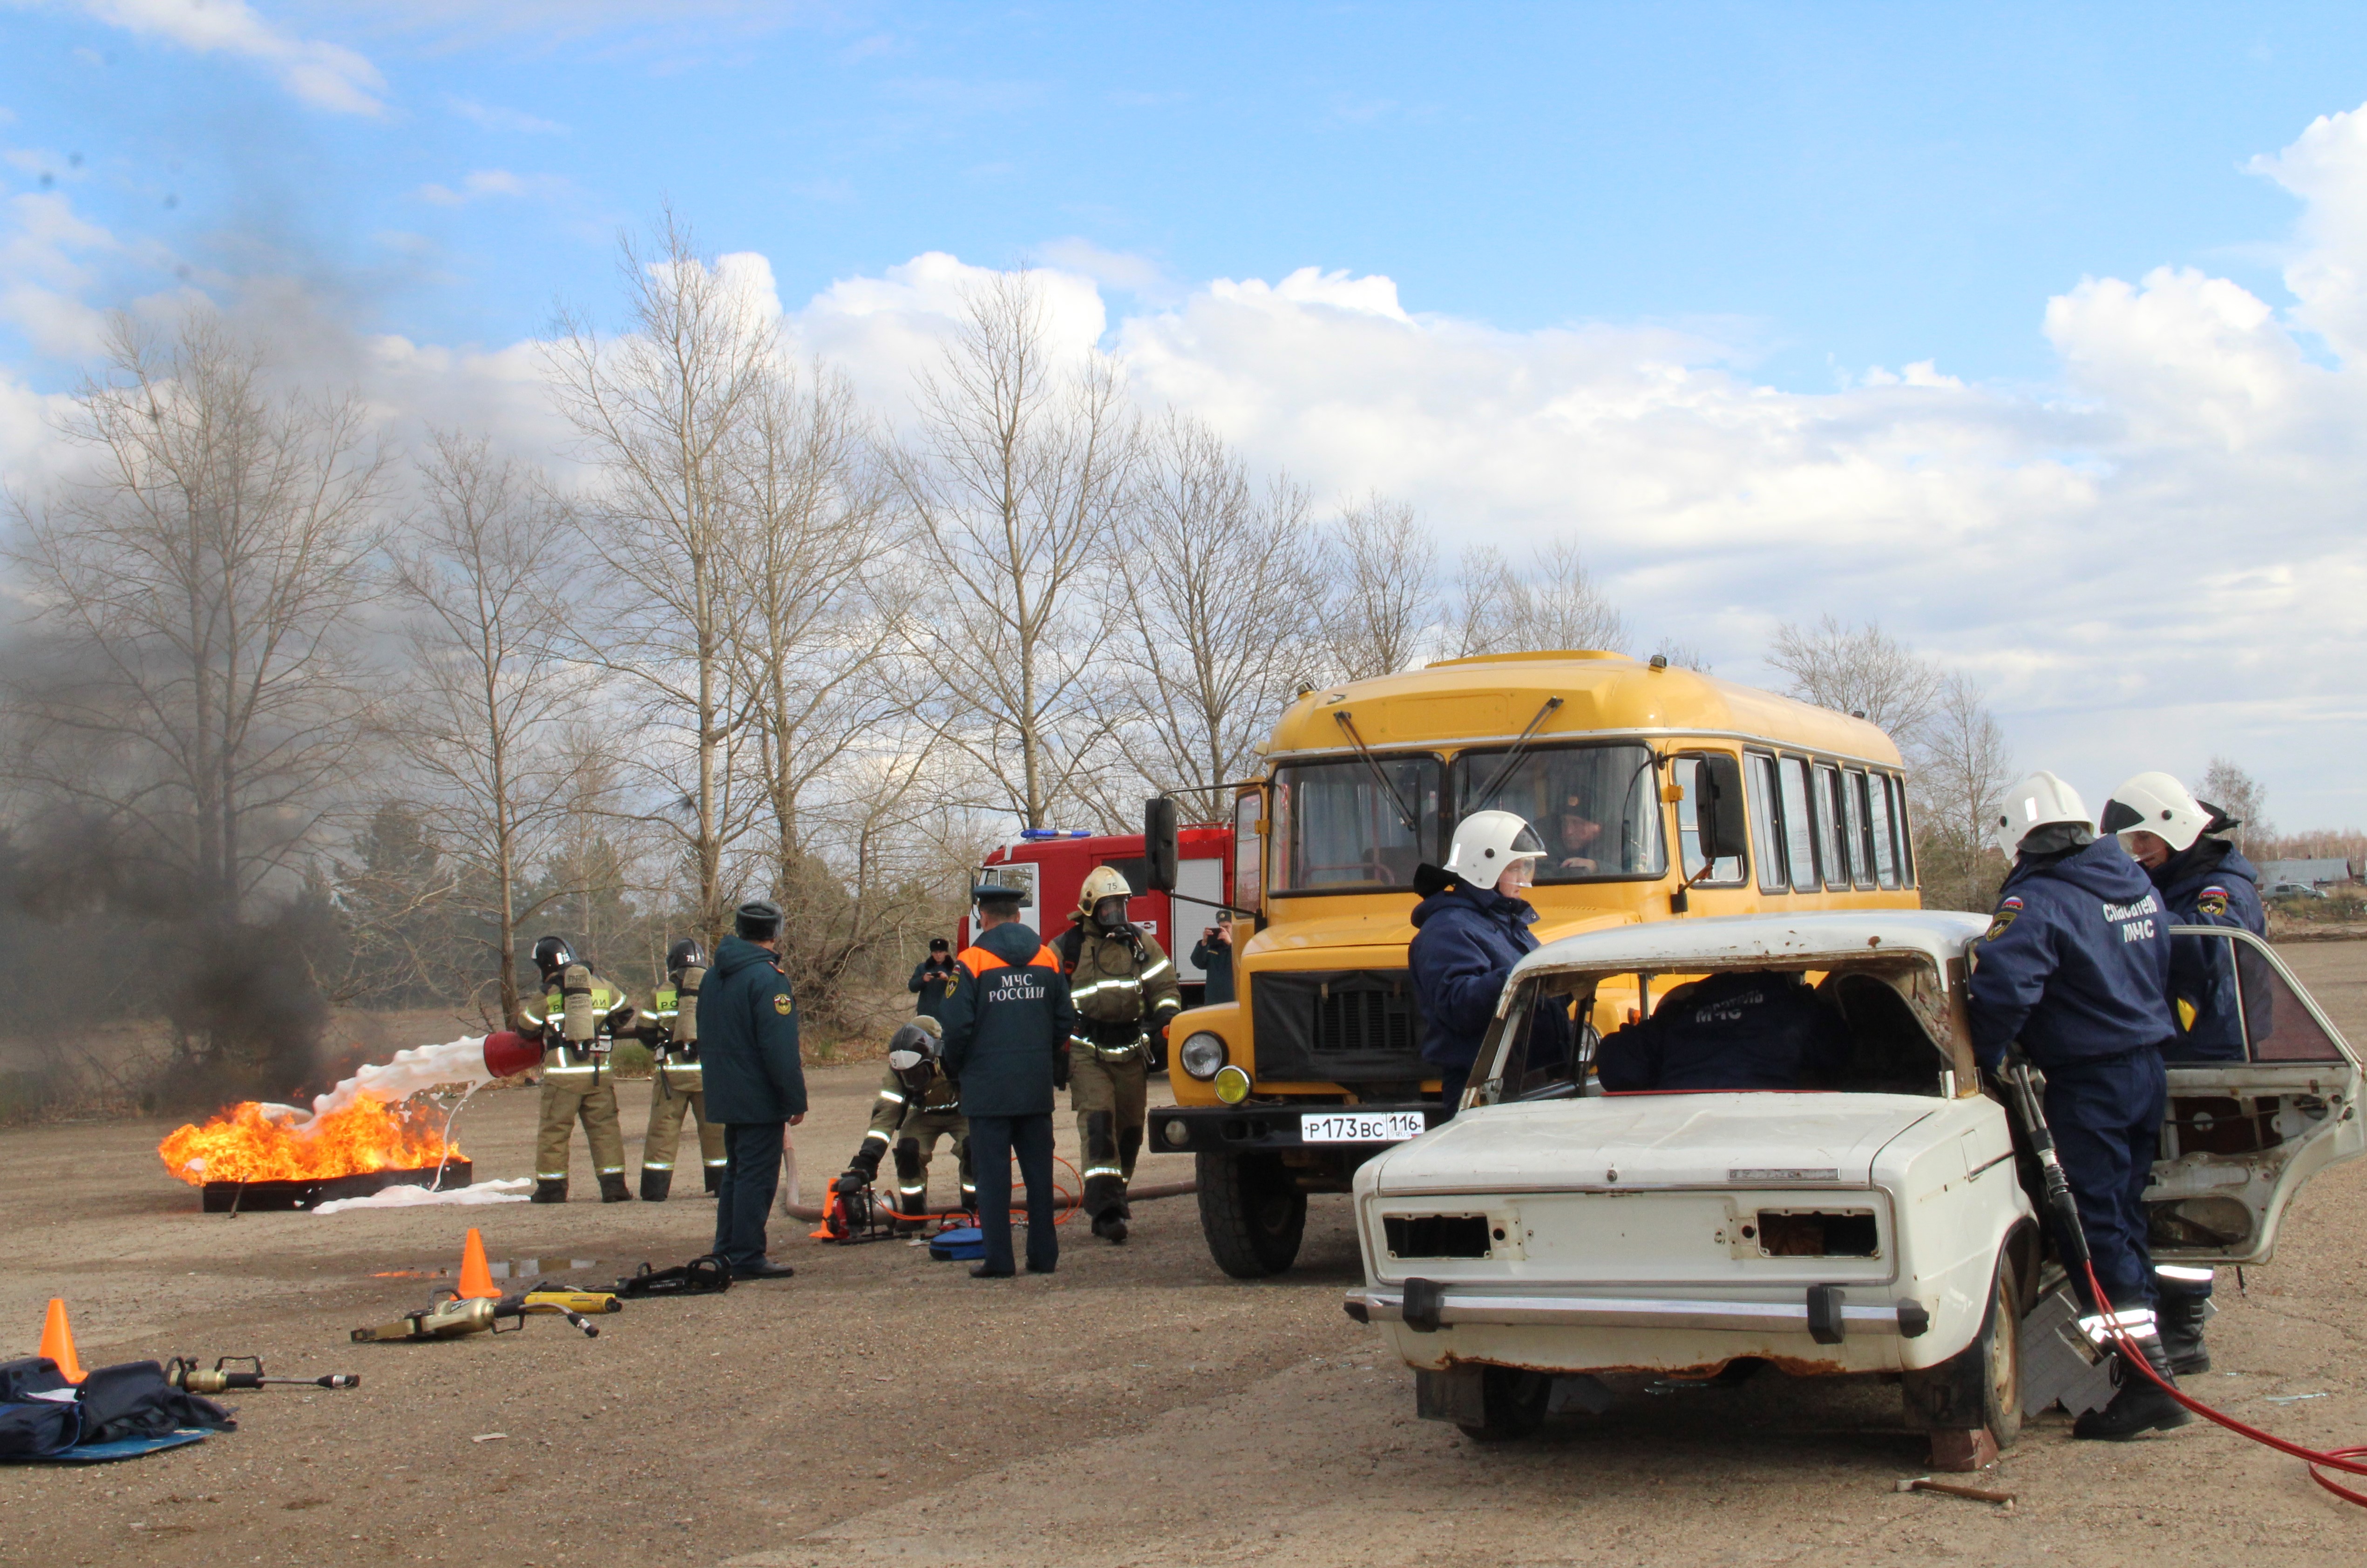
x=919 y=1102
x=671 y=1032
x=1124 y=987
x=582 y=1016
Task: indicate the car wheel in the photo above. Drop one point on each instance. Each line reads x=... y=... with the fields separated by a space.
x=1251 y=1211
x=1980 y=1386
x=1513 y=1404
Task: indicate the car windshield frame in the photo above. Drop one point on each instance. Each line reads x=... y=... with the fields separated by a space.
x=1356 y=815
x=1472 y=771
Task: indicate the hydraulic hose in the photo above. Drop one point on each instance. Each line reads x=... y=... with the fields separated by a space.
x=2072 y=1237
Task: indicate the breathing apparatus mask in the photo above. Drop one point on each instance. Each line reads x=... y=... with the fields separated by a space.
x=913 y=1052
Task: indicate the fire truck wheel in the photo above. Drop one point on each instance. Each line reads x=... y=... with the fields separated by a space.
x=1251 y=1211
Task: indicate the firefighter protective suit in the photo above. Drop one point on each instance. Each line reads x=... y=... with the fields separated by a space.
x=582 y=1014
x=906 y=1127
x=1122 y=985
x=676 y=1087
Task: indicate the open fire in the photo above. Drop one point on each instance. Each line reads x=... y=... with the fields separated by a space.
x=252 y=1142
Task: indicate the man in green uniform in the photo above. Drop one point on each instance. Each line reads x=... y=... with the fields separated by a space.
x=919 y=1102
x=675 y=1083
x=1120 y=980
x=581 y=1015
x=934 y=979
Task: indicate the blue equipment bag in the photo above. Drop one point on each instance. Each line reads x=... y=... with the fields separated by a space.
x=964 y=1243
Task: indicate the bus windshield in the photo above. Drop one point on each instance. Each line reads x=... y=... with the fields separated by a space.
x=1597 y=808
x=1337 y=827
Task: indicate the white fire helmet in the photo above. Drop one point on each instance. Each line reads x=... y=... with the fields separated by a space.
x=2156 y=804
x=2036 y=801
x=1488 y=842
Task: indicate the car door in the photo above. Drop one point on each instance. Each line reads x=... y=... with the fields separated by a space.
x=2242 y=1136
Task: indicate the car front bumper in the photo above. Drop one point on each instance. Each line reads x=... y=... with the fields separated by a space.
x=1255 y=1129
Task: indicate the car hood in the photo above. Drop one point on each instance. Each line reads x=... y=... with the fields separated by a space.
x=1655 y=1140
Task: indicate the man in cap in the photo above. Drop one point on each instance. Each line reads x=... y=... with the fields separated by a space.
x=1120 y=980
x=755 y=1083
x=1006 y=1041
x=934 y=978
x=2075 y=968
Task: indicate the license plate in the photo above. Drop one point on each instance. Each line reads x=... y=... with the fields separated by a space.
x=1360 y=1126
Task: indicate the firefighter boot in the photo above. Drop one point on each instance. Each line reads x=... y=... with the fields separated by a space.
x=2180 y=1317
x=714 y=1174
x=614 y=1190
x=655 y=1185
x=547 y=1191
x=912 y=1186
x=2139 y=1404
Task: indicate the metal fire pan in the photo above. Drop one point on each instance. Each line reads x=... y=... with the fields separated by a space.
x=256 y=1197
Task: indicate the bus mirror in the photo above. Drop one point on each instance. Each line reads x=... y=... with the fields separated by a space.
x=1158 y=842
x=1718 y=814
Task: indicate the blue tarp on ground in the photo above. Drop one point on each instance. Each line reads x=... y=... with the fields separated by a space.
x=123 y=1448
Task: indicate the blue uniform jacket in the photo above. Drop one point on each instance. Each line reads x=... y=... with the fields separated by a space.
x=1733 y=1031
x=1465 y=942
x=748 y=1037
x=2075 y=962
x=1006 y=1020
x=2211 y=883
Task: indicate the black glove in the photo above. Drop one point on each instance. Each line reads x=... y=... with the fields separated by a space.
x=855 y=1181
x=866 y=1162
x=1061 y=1067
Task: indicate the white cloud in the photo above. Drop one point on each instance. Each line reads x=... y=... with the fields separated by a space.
x=326 y=75
x=493 y=118
x=483 y=183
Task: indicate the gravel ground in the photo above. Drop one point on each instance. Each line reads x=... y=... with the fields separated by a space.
x=1137 y=1408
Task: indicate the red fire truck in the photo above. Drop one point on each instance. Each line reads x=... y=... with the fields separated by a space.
x=1050 y=863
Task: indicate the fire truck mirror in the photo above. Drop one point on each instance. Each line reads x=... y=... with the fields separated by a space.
x=1160 y=841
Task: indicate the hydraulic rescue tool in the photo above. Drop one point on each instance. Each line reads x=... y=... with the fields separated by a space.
x=2023 y=1089
x=183 y=1372
x=456 y=1317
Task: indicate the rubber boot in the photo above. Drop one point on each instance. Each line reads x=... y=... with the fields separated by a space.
x=548 y=1191
x=655 y=1184
x=1110 y=1226
x=2180 y=1317
x=714 y=1174
x=2139 y=1405
x=614 y=1190
x=911 y=1203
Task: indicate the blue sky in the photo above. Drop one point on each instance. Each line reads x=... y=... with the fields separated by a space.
x=2037 y=333
x=1831 y=185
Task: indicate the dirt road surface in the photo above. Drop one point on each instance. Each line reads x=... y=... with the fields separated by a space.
x=1135 y=1408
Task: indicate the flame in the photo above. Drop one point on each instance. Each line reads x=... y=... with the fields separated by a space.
x=248 y=1142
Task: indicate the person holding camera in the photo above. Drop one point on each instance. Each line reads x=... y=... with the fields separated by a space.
x=934 y=979
x=1214 y=953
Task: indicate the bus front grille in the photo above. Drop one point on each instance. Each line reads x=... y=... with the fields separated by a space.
x=1344 y=1026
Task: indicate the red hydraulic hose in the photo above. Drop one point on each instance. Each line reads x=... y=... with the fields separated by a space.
x=2346 y=1460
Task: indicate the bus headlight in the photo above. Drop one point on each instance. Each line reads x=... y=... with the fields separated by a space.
x=1232 y=1086
x=1201 y=1054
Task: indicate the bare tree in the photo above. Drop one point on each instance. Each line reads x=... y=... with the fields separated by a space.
x=1863 y=670
x=659 y=412
x=1219 y=597
x=481 y=725
x=1966 y=770
x=1384 y=569
x=198 y=588
x=1017 y=476
x=2241 y=796
x=1555 y=605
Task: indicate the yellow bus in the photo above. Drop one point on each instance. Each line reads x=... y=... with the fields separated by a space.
x=1628 y=770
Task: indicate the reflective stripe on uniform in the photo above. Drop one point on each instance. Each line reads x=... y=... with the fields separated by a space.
x=875 y=1133
x=1094 y=1170
x=1167 y=1002
x=657 y=1165
x=2136 y=1322
x=2178 y=1271
x=550 y=1176
x=717 y=1163
x=612 y=1170
x=891 y=1097
x=1157 y=969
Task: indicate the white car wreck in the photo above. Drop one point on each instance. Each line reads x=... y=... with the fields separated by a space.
x=1872 y=1222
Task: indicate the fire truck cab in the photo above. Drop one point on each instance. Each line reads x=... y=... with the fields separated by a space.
x=1050 y=865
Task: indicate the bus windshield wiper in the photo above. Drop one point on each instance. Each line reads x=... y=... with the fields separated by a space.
x=1405 y=812
x=1514 y=756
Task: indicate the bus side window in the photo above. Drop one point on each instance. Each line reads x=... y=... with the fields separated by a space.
x=1860 y=821
x=1901 y=830
x=1884 y=826
x=1766 y=820
x=1832 y=828
x=1799 y=835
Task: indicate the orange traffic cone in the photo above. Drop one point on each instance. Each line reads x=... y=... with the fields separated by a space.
x=57 y=1342
x=476 y=1280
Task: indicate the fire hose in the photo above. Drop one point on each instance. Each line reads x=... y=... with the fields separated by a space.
x=2063 y=1213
